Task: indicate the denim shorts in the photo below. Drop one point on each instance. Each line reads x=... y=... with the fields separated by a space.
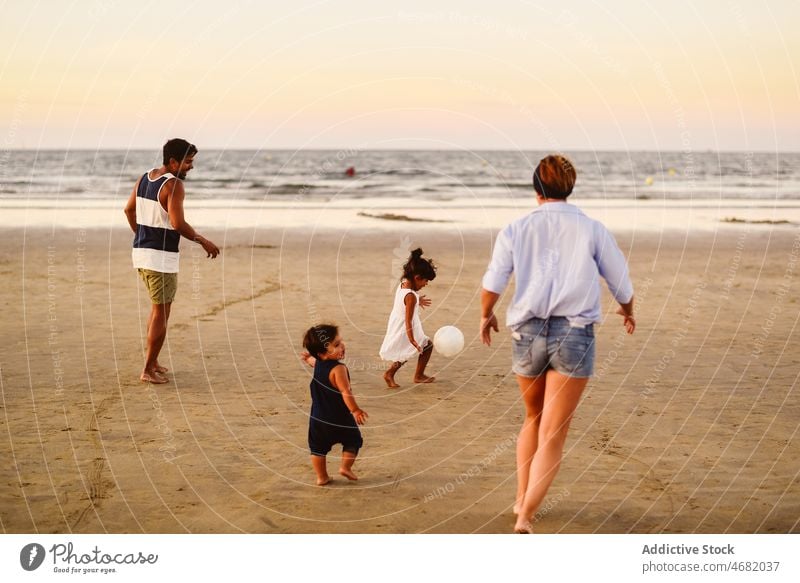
x=539 y=344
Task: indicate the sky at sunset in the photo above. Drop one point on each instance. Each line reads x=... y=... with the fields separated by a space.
x=719 y=75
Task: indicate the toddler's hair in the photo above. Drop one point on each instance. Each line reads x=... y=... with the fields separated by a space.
x=318 y=337
x=416 y=265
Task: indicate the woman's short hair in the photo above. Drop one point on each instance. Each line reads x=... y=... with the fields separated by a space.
x=554 y=177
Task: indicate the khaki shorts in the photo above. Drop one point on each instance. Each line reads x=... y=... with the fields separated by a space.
x=160 y=286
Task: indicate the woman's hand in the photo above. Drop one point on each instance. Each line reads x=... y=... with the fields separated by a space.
x=424 y=301
x=487 y=324
x=629 y=321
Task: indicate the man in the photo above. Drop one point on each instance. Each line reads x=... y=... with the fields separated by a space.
x=155 y=213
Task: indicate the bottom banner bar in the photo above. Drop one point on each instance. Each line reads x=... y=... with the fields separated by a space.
x=399 y=558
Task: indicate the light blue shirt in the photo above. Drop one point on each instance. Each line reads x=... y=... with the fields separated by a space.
x=557 y=254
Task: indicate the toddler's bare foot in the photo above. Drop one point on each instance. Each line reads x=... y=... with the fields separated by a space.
x=390 y=382
x=151 y=376
x=424 y=379
x=348 y=474
x=324 y=481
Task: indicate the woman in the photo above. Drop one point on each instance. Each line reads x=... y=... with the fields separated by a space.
x=557 y=254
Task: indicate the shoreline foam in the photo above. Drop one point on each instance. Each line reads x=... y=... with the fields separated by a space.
x=464 y=214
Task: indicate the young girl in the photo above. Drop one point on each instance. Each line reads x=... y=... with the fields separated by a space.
x=404 y=335
x=334 y=412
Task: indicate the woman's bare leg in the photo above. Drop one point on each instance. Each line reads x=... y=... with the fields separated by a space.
x=561 y=397
x=532 y=391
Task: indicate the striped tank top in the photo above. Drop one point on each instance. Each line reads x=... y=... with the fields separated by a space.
x=155 y=245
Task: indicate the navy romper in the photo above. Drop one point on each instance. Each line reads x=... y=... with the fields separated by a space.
x=331 y=421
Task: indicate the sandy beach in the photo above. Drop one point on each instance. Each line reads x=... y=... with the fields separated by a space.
x=689 y=426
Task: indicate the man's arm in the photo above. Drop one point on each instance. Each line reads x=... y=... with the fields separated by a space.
x=130 y=207
x=175 y=195
x=341 y=380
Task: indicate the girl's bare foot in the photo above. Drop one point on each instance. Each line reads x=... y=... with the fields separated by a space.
x=390 y=382
x=324 y=481
x=160 y=369
x=152 y=377
x=348 y=474
x=424 y=379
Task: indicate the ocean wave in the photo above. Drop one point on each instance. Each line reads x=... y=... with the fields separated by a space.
x=429 y=175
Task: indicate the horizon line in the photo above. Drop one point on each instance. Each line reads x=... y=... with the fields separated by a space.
x=357 y=149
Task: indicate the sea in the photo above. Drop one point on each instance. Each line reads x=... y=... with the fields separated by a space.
x=322 y=175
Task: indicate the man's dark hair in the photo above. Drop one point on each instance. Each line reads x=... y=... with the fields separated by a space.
x=318 y=337
x=179 y=149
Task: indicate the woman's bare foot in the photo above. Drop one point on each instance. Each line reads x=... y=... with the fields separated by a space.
x=324 y=481
x=523 y=527
x=389 y=378
x=160 y=369
x=348 y=474
x=152 y=377
x=424 y=379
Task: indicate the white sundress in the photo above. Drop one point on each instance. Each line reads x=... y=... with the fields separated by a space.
x=396 y=346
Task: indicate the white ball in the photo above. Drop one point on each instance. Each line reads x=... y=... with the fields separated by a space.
x=448 y=341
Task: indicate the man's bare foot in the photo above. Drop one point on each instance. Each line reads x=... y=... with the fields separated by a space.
x=160 y=369
x=523 y=527
x=152 y=377
x=348 y=474
x=324 y=481
x=390 y=382
x=424 y=379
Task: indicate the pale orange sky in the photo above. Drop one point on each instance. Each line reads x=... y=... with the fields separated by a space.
x=510 y=74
